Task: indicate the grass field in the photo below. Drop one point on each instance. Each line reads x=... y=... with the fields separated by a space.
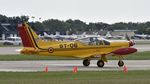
x=105 y=77
x=1 y=45
x=135 y=56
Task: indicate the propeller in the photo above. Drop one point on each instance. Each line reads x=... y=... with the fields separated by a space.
x=127 y=37
x=131 y=43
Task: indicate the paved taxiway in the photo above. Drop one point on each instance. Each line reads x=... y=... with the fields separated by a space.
x=9 y=50
x=142 y=48
x=13 y=50
x=67 y=65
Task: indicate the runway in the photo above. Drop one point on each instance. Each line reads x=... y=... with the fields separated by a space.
x=142 y=48
x=9 y=50
x=12 y=50
x=67 y=65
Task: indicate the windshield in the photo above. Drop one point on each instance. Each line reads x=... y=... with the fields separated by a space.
x=94 y=41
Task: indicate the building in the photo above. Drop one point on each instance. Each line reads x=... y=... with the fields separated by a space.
x=7 y=29
x=130 y=33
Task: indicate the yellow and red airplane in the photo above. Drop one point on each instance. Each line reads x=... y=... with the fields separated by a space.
x=85 y=48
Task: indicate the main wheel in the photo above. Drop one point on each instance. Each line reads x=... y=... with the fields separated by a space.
x=120 y=63
x=86 y=62
x=100 y=63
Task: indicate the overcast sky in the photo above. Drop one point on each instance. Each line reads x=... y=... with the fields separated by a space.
x=109 y=11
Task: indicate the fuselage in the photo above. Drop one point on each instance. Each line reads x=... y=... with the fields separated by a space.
x=73 y=48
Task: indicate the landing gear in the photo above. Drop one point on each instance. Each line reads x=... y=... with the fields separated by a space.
x=86 y=62
x=120 y=63
x=100 y=63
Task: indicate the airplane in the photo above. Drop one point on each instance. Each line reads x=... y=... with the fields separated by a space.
x=109 y=36
x=58 y=36
x=68 y=37
x=142 y=36
x=84 y=48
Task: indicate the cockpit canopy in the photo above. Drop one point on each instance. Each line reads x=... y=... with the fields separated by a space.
x=94 y=41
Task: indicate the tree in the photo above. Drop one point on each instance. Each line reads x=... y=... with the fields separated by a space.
x=77 y=25
x=3 y=19
x=53 y=25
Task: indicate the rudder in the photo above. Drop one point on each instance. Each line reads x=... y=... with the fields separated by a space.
x=25 y=34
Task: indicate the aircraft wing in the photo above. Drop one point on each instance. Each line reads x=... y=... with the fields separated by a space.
x=96 y=54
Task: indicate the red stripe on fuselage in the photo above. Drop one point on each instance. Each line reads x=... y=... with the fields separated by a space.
x=124 y=51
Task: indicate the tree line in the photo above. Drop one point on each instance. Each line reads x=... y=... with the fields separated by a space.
x=75 y=26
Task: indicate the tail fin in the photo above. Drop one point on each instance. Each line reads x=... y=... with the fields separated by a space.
x=27 y=35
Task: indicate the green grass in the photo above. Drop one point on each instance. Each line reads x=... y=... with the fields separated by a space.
x=145 y=42
x=90 y=77
x=139 y=56
x=135 y=56
x=1 y=45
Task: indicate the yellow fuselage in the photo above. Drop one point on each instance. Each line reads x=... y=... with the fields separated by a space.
x=73 y=49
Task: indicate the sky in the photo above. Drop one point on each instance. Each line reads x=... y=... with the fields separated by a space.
x=108 y=11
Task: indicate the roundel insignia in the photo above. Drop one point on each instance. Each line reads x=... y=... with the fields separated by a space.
x=50 y=50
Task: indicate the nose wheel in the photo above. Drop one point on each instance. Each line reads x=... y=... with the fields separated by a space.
x=120 y=63
x=100 y=63
x=86 y=62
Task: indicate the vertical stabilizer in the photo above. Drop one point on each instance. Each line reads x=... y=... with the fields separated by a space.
x=27 y=35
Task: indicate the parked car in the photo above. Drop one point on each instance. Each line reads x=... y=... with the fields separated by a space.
x=13 y=41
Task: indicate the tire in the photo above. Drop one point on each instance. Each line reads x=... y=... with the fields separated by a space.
x=100 y=63
x=86 y=62
x=120 y=63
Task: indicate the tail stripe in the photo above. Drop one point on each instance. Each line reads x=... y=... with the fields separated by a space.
x=26 y=40
x=28 y=36
x=34 y=40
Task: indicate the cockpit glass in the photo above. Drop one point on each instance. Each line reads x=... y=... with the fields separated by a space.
x=94 y=41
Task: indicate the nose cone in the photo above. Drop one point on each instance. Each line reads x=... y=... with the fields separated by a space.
x=124 y=51
x=132 y=50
